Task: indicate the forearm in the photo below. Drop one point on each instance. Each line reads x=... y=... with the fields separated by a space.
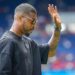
x=53 y=42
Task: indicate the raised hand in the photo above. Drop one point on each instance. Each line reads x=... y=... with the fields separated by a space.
x=54 y=14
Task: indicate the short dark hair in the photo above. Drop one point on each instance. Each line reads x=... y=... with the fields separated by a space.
x=25 y=8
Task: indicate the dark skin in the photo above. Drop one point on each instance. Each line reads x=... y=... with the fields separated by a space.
x=25 y=24
x=53 y=42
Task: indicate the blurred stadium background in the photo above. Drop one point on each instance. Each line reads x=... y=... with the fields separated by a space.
x=63 y=63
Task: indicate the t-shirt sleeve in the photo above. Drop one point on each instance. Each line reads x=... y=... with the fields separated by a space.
x=44 y=49
x=6 y=49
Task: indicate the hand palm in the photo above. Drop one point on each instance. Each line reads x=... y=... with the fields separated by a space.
x=54 y=14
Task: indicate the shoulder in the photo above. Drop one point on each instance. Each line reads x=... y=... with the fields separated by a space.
x=6 y=45
x=6 y=39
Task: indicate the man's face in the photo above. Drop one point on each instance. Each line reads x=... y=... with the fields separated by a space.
x=29 y=23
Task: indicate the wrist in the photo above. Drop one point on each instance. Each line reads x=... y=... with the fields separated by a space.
x=57 y=28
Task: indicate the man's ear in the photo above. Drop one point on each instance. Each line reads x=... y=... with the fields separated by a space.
x=18 y=16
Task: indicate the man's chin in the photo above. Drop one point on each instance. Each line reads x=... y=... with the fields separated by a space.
x=28 y=33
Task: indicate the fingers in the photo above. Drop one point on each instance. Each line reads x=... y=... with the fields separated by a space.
x=51 y=9
x=56 y=8
x=51 y=6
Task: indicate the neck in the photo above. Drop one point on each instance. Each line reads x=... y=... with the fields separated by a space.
x=16 y=29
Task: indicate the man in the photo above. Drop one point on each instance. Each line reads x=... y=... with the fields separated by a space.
x=19 y=55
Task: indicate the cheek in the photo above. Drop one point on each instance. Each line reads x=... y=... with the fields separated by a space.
x=26 y=26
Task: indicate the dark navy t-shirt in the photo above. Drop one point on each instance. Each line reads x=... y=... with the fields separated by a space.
x=21 y=55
